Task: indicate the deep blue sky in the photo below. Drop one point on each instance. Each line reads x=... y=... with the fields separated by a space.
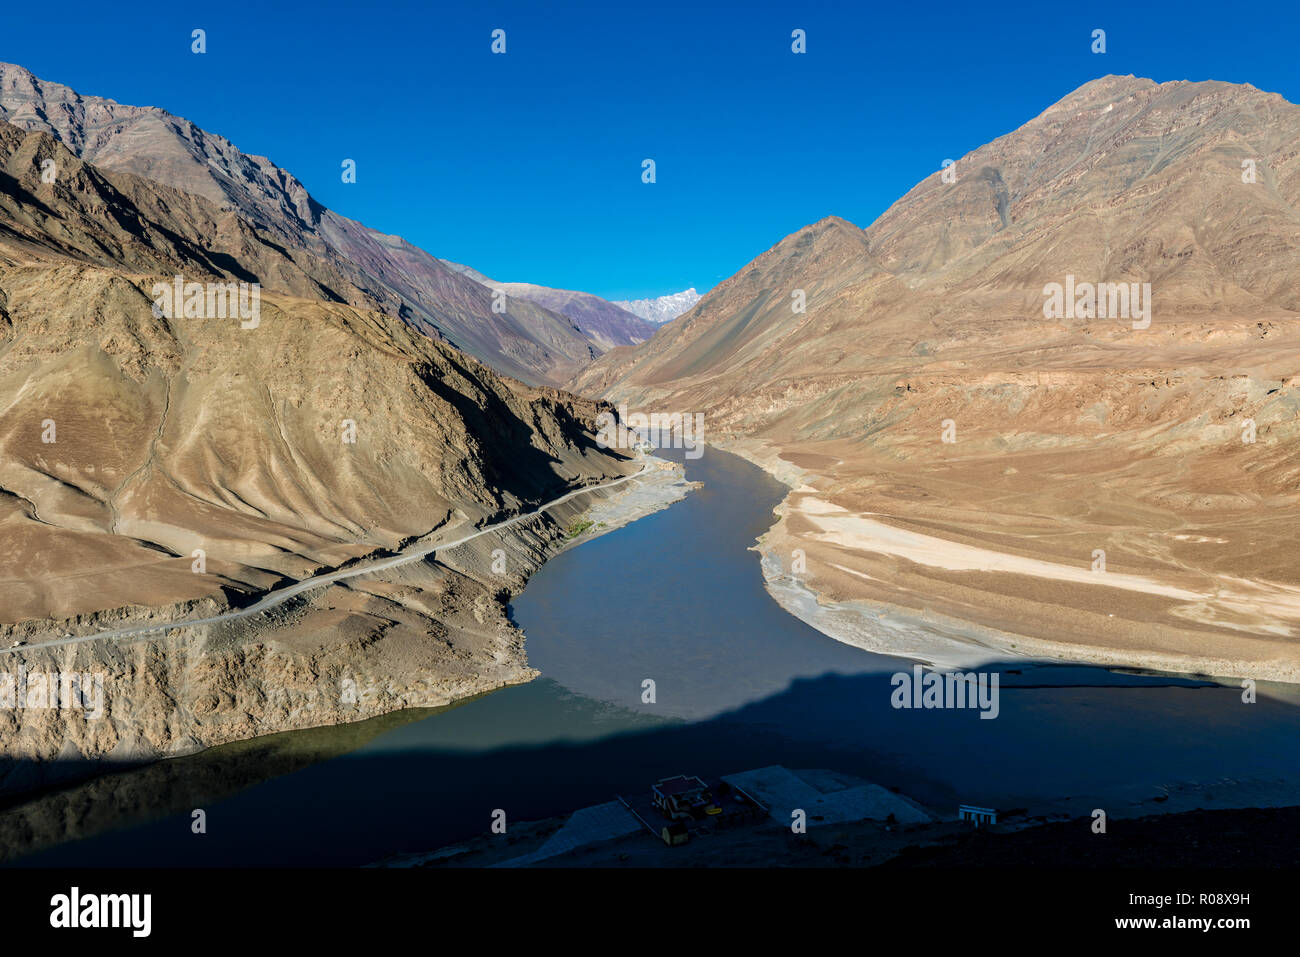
x=527 y=166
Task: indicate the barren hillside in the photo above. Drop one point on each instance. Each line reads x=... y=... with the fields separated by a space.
x=962 y=449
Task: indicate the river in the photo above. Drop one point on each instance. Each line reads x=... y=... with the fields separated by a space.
x=677 y=599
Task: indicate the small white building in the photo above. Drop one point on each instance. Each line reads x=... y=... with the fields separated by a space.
x=980 y=815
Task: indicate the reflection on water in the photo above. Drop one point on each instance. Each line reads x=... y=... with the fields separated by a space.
x=675 y=599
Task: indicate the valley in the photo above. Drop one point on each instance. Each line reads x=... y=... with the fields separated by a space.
x=1117 y=490
x=740 y=684
x=353 y=533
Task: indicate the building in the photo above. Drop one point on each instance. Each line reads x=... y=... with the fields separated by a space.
x=980 y=815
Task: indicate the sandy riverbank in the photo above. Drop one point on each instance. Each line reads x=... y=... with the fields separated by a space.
x=916 y=589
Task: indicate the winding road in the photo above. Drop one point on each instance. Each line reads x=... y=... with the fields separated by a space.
x=416 y=551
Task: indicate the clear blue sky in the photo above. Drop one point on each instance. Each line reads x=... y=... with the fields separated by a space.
x=527 y=166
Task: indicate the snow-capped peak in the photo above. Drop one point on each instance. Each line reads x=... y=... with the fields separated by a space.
x=665 y=308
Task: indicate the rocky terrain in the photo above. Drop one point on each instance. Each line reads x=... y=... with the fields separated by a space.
x=1117 y=488
x=262 y=215
x=604 y=323
x=162 y=464
x=662 y=309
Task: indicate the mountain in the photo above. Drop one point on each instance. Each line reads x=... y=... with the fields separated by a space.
x=967 y=447
x=469 y=271
x=257 y=204
x=164 y=461
x=661 y=310
x=602 y=322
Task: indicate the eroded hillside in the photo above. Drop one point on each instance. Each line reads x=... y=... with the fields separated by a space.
x=962 y=450
x=168 y=457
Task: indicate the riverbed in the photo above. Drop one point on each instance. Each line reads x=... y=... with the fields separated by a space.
x=661 y=653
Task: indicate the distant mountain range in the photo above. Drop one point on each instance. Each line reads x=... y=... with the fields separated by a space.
x=601 y=321
x=265 y=219
x=661 y=310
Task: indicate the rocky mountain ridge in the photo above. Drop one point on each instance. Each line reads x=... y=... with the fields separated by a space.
x=337 y=258
x=916 y=376
x=661 y=309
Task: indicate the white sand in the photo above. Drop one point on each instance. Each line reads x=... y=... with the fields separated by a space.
x=1237 y=597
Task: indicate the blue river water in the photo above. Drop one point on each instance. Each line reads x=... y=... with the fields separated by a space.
x=676 y=599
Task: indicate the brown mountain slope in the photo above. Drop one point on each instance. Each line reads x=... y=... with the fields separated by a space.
x=159 y=467
x=118 y=220
x=171 y=426
x=342 y=258
x=604 y=323
x=1072 y=434
x=175 y=434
